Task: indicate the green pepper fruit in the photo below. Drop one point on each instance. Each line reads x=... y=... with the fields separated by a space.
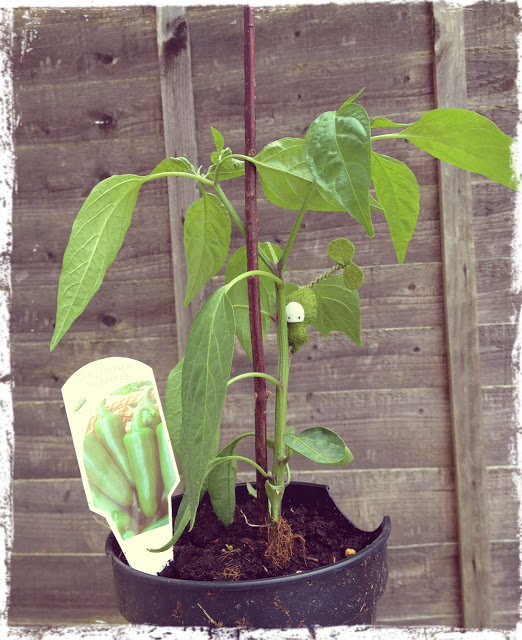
x=103 y=473
x=109 y=430
x=121 y=518
x=152 y=417
x=168 y=473
x=142 y=446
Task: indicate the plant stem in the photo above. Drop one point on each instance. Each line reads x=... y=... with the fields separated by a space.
x=386 y=136
x=254 y=298
x=259 y=469
x=246 y=308
x=178 y=174
x=248 y=274
x=283 y=368
x=293 y=233
x=254 y=374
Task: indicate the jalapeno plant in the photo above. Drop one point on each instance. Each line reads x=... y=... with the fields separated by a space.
x=331 y=169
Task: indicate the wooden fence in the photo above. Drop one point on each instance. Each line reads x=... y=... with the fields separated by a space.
x=89 y=89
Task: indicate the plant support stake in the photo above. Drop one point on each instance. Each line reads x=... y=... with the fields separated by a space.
x=254 y=302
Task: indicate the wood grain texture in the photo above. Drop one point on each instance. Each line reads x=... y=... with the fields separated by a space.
x=460 y=297
x=180 y=140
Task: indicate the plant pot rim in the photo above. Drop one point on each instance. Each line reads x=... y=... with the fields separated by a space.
x=262 y=583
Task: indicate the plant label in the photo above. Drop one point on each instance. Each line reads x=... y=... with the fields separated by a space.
x=125 y=456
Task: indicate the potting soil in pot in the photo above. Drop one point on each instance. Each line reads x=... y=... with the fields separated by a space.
x=240 y=551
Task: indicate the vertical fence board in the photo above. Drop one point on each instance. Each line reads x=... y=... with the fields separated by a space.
x=180 y=140
x=462 y=334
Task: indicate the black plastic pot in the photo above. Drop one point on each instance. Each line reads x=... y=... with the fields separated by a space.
x=345 y=593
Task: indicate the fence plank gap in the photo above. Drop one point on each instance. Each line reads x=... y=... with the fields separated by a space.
x=179 y=125
x=462 y=334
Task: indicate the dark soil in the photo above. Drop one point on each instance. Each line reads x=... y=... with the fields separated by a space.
x=212 y=551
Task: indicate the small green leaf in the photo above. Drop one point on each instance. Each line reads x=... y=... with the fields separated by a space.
x=374 y=205
x=174 y=164
x=317 y=444
x=380 y=122
x=218 y=139
x=206 y=370
x=207 y=232
x=350 y=100
x=230 y=168
x=338 y=152
x=341 y=250
x=396 y=187
x=337 y=308
x=173 y=405
x=348 y=457
x=239 y=294
x=251 y=490
x=467 y=140
x=96 y=237
x=353 y=276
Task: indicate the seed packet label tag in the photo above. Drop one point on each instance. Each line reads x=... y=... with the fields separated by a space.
x=124 y=454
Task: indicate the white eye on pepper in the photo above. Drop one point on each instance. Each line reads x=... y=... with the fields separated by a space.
x=295 y=312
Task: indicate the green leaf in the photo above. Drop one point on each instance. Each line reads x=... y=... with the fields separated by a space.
x=353 y=276
x=350 y=100
x=174 y=164
x=173 y=405
x=286 y=178
x=207 y=232
x=467 y=140
x=338 y=152
x=251 y=490
x=337 y=308
x=380 y=122
x=341 y=250
x=348 y=457
x=206 y=370
x=218 y=139
x=239 y=294
x=374 y=205
x=230 y=168
x=396 y=187
x=317 y=444
x=96 y=237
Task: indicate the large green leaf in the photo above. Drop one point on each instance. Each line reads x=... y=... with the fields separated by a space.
x=397 y=189
x=238 y=295
x=338 y=152
x=207 y=232
x=96 y=237
x=337 y=308
x=467 y=140
x=319 y=445
x=286 y=179
x=173 y=405
x=206 y=370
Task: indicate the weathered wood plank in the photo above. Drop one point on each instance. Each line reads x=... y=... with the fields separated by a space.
x=174 y=48
x=57 y=48
x=99 y=110
x=462 y=335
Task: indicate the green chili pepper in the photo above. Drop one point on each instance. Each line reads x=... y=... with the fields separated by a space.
x=122 y=519
x=151 y=417
x=142 y=447
x=168 y=473
x=103 y=472
x=109 y=430
x=128 y=388
x=80 y=403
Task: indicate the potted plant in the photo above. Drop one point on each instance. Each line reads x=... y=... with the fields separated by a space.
x=332 y=168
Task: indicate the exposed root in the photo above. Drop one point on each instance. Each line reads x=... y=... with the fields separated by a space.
x=280 y=546
x=216 y=624
x=232 y=571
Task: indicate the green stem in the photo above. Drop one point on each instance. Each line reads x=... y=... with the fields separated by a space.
x=246 y=307
x=247 y=274
x=178 y=174
x=217 y=461
x=239 y=223
x=293 y=233
x=387 y=136
x=283 y=369
x=254 y=374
